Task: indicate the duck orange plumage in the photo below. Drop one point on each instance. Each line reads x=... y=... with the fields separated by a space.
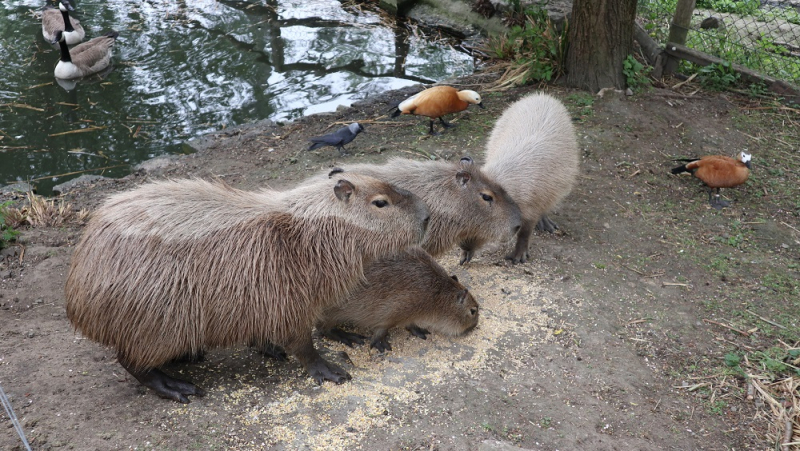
x=718 y=171
x=436 y=102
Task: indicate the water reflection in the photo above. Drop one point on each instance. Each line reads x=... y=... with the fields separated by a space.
x=182 y=69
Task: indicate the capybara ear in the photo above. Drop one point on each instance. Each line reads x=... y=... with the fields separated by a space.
x=463 y=177
x=335 y=171
x=454 y=277
x=467 y=160
x=344 y=189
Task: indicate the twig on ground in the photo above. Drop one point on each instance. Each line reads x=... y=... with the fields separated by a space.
x=766 y=320
x=746 y=334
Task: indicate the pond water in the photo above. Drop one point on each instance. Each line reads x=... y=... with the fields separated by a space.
x=182 y=69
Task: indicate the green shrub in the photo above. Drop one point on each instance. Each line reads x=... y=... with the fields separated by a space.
x=635 y=73
x=7 y=233
x=718 y=77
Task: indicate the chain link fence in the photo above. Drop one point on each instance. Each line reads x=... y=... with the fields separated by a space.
x=761 y=35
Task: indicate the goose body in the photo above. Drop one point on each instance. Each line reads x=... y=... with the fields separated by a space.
x=84 y=59
x=436 y=102
x=718 y=171
x=54 y=20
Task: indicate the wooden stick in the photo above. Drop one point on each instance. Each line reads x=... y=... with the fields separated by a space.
x=80 y=130
x=746 y=334
x=79 y=172
x=675 y=284
x=787 y=435
x=766 y=320
x=22 y=105
x=787 y=225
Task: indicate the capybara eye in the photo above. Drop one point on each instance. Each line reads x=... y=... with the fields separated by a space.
x=473 y=311
x=380 y=203
x=487 y=197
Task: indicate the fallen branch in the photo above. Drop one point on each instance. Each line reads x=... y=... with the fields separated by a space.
x=746 y=334
x=79 y=172
x=766 y=320
x=80 y=130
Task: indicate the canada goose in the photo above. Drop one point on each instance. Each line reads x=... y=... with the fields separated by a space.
x=718 y=171
x=54 y=20
x=84 y=59
x=436 y=102
x=338 y=138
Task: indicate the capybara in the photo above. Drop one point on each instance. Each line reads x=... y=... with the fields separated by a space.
x=533 y=153
x=176 y=267
x=408 y=290
x=467 y=207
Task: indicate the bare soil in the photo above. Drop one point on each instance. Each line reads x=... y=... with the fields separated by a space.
x=597 y=343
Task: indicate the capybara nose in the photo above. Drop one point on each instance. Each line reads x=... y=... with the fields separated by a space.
x=425 y=222
x=516 y=229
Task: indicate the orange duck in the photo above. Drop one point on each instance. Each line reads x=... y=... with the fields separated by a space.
x=436 y=102
x=718 y=171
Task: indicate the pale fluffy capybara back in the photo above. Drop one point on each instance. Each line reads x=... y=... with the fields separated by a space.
x=408 y=289
x=176 y=267
x=533 y=153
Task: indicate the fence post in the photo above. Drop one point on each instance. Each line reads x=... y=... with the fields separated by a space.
x=678 y=30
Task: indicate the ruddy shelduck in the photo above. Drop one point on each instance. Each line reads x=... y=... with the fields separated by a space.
x=718 y=171
x=436 y=102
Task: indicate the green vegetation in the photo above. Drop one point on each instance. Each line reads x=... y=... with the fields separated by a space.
x=718 y=77
x=7 y=233
x=635 y=73
x=754 y=48
x=744 y=7
x=532 y=52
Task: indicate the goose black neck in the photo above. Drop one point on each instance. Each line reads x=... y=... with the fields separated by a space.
x=67 y=22
x=64 y=51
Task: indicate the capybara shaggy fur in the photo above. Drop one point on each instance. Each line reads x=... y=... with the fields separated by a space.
x=533 y=152
x=176 y=267
x=408 y=290
x=467 y=207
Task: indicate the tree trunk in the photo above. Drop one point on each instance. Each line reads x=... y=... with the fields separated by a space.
x=600 y=38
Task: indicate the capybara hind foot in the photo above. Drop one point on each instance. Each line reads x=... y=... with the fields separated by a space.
x=342 y=336
x=418 y=331
x=546 y=225
x=166 y=386
x=321 y=370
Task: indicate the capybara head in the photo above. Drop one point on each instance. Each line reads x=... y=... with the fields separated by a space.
x=455 y=311
x=380 y=207
x=488 y=212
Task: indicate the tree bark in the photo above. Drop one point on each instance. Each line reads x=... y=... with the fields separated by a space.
x=600 y=38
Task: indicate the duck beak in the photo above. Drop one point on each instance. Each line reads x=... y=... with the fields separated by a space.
x=748 y=165
x=481 y=105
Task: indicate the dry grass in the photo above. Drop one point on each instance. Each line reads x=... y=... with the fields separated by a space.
x=43 y=212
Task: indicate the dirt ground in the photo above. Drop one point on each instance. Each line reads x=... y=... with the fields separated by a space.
x=612 y=337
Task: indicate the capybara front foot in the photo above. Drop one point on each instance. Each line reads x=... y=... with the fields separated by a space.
x=545 y=224
x=341 y=336
x=418 y=331
x=321 y=370
x=517 y=257
x=380 y=341
x=166 y=386
x=466 y=257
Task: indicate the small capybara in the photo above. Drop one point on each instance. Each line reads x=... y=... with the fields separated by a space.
x=467 y=207
x=176 y=267
x=408 y=290
x=533 y=152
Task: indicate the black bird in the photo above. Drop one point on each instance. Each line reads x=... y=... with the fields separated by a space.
x=338 y=138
